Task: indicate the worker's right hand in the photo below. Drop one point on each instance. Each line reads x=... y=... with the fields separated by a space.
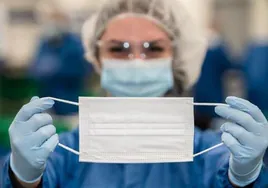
x=32 y=138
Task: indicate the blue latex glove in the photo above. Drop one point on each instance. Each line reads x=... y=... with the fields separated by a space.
x=246 y=136
x=32 y=138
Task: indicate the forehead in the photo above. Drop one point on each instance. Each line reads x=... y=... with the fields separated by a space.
x=133 y=28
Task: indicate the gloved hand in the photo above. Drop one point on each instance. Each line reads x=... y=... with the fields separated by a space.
x=32 y=138
x=246 y=136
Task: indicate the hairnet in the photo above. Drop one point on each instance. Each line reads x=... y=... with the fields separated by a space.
x=170 y=15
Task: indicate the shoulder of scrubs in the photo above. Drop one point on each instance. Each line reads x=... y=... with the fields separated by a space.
x=61 y=163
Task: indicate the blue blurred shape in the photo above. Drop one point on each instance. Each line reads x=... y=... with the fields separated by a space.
x=209 y=87
x=60 y=70
x=256 y=74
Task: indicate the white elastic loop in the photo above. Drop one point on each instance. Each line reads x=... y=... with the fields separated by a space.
x=196 y=104
x=72 y=103
x=68 y=149
x=207 y=150
x=64 y=101
x=210 y=104
x=195 y=155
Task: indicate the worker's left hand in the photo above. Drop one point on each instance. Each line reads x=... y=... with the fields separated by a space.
x=246 y=136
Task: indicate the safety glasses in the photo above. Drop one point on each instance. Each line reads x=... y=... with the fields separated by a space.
x=116 y=49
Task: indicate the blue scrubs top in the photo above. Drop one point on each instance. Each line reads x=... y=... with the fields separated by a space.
x=64 y=170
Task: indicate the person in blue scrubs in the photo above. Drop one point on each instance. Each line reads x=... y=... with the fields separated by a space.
x=59 y=67
x=216 y=63
x=141 y=48
x=217 y=66
x=256 y=74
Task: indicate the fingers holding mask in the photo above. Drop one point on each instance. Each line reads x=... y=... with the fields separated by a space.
x=246 y=136
x=35 y=106
x=43 y=134
x=246 y=106
x=34 y=98
x=243 y=113
x=241 y=135
x=32 y=138
x=234 y=115
x=39 y=120
x=48 y=146
x=231 y=142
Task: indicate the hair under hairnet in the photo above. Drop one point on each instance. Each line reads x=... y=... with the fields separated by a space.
x=170 y=15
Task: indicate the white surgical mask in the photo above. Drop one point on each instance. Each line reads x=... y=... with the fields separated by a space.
x=136 y=130
x=137 y=78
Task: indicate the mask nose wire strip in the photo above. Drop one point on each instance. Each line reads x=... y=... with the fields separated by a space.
x=195 y=104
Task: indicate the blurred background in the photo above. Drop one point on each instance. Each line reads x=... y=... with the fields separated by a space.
x=41 y=54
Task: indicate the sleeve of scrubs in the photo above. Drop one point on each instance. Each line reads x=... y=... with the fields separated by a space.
x=58 y=166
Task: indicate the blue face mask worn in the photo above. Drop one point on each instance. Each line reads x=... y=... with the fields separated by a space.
x=137 y=78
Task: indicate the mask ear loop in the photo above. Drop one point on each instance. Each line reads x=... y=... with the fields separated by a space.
x=59 y=144
x=195 y=104
x=215 y=146
x=207 y=150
